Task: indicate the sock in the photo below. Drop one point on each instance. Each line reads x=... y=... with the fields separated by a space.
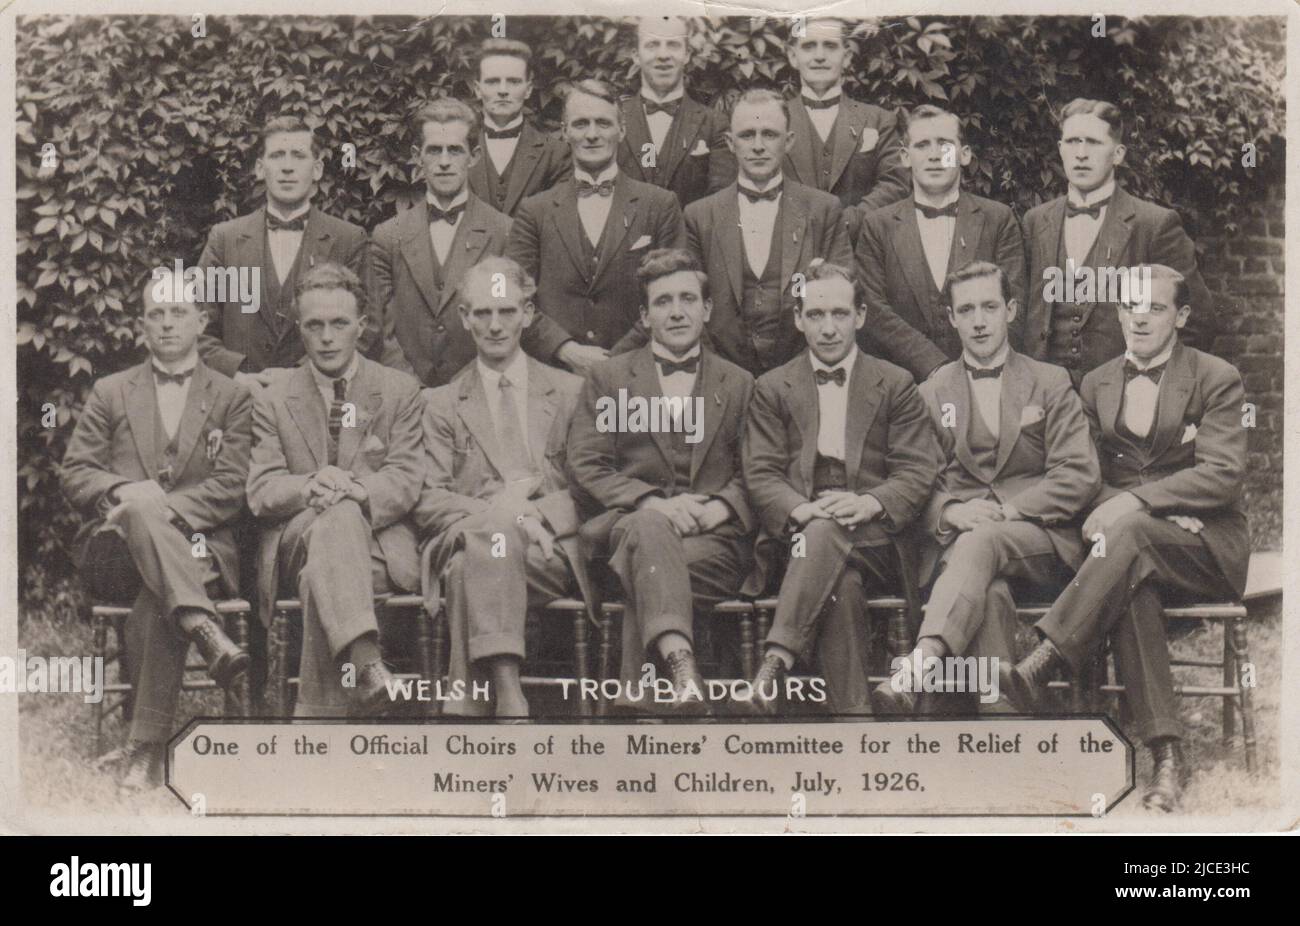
x=671 y=642
x=190 y=618
x=780 y=652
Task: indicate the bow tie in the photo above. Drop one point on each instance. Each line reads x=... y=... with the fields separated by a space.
x=758 y=196
x=1093 y=211
x=981 y=373
x=810 y=103
x=1152 y=373
x=162 y=377
x=669 y=367
x=489 y=132
x=275 y=223
x=604 y=188
x=450 y=216
x=836 y=376
x=651 y=107
x=934 y=212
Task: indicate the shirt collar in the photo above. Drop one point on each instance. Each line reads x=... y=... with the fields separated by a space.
x=516 y=372
x=743 y=181
x=846 y=363
x=653 y=97
x=660 y=351
x=326 y=383
x=184 y=365
x=923 y=199
x=997 y=361
x=513 y=123
x=609 y=173
x=288 y=218
x=1102 y=192
x=1163 y=357
x=805 y=90
x=461 y=197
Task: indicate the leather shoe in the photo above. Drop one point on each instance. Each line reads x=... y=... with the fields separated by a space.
x=1165 y=790
x=894 y=695
x=226 y=661
x=137 y=765
x=688 y=684
x=370 y=697
x=770 y=678
x=1024 y=682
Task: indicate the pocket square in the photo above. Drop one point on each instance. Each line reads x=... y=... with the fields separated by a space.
x=869 y=138
x=642 y=242
x=1031 y=414
x=701 y=148
x=372 y=444
x=214 y=443
x=1189 y=433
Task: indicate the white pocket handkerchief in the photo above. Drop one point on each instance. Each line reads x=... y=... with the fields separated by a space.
x=1030 y=414
x=642 y=242
x=372 y=445
x=869 y=138
x=701 y=148
x=1189 y=434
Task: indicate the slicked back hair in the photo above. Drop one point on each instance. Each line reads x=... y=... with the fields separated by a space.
x=759 y=95
x=517 y=279
x=663 y=262
x=278 y=125
x=509 y=48
x=1107 y=112
x=930 y=111
x=329 y=275
x=975 y=270
x=444 y=111
x=590 y=86
x=822 y=269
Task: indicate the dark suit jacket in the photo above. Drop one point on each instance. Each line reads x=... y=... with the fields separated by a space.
x=592 y=304
x=809 y=227
x=114 y=442
x=695 y=161
x=609 y=472
x=890 y=448
x=1195 y=463
x=540 y=161
x=382 y=450
x=868 y=178
x=257 y=340
x=1046 y=464
x=906 y=322
x=1133 y=232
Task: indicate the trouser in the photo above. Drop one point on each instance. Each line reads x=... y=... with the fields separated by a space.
x=1119 y=595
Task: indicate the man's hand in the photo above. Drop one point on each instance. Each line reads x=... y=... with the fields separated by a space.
x=850 y=509
x=1110 y=511
x=802 y=514
x=1187 y=522
x=674 y=510
x=251 y=381
x=966 y=516
x=537 y=533
x=329 y=486
x=707 y=512
x=1010 y=512
x=140 y=491
x=580 y=357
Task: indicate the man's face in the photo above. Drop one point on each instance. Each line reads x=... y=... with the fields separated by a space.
x=820 y=55
x=981 y=316
x=330 y=325
x=1088 y=153
x=829 y=319
x=662 y=52
x=502 y=87
x=446 y=157
x=934 y=154
x=289 y=169
x=495 y=317
x=1151 y=327
x=759 y=137
x=593 y=131
x=676 y=310
x=171 y=329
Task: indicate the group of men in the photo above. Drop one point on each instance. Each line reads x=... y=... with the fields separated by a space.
x=857 y=381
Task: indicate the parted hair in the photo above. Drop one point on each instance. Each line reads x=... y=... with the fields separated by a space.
x=443 y=111
x=1182 y=290
x=822 y=269
x=758 y=95
x=975 y=270
x=1107 y=112
x=590 y=86
x=277 y=125
x=792 y=38
x=509 y=48
x=930 y=111
x=662 y=262
x=329 y=275
x=518 y=280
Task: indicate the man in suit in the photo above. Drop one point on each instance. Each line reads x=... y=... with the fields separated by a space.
x=1167 y=421
x=661 y=497
x=754 y=236
x=494 y=448
x=279 y=241
x=1017 y=466
x=838 y=460
x=583 y=239
x=672 y=141
x=518 y=159
x=1096 y=227
x=417 y=258
x=841 y=146
x=336 y=471
x=906 y=250
x=157 y=465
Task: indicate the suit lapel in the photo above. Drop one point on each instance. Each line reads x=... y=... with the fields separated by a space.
x=726 y=231
x=799 y=158
x=472 y=407
x=251 y=251
x=911 y=253
x=848 y=127
x=1047 y=250
x=956 y=387
x=637 y=137
x=141 y=414
x=366 y=397
x=1111 y=241
x=715 y=410
x=541 y=413
x=466 y=248
x=198 y=405
x=863 y=404
x=309 y=413
x=1017 y=386
x=645 y=384
x=680 y=138
x=1110 y=395
x=568 y=225
x=622 y=216
x=528 y=153
x=966 y=232
x=793 y=228
x=1175 y=392
x=417 y=251
x=807 y=416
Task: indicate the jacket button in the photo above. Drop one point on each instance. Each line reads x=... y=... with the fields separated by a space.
x=1074 y=350
x=1078 y=318
x=440 y=329
x=591 y=335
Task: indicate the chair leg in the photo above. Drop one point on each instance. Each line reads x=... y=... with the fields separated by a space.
x=239 y=698
x=100 y=631
x=748 y=663
x=581 y=657
x=440 y=654
x=277 y=671
x=762 y=625
x=1241 y=647
x=606 y=659
x=898 y=634
x=424 y=645
x=1231 y=679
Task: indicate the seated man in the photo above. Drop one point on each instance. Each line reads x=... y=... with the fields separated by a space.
x=839 y=459
x=494 y=447
x=336 y=470
x=1167 y=420
x=654 y=456
x=157 y=465
x=1017 y=465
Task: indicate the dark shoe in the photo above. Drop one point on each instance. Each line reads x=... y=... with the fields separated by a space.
x=895 y=695
x=688 y=684
x=1165 y=790
x=1024 y=682
x=226 y=661
x=370 y=697
x=137 y=765
x=770 y=677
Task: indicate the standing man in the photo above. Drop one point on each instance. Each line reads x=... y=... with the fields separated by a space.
x=276 y=243
x=1096 y=227
x=672 y=141
x=838 y=459
x=157 y=465
x=1017 y=467
x=336 y=470
x=754 y=237
x=583 y=239
x=494 y=447
x=906 y=250
x=518 y=159
x=665 y=503
x=1167 y=420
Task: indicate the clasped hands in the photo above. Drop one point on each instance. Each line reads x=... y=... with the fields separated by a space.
x=848 y=509
x=1105 y=515
x=331 y=485
x=968 y=515
x=690 y=513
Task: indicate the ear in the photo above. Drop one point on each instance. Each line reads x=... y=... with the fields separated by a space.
x=731 y=141
x=259 y=168
x=318 y=167
x=475 y=153
x=529 y=312
x=1183 y=314
x=952 y=319
x=905 y=156
x=1118 y=157
x=789 y=56
x=464 y=316
x=860 y=317
x=1012 y=309
x=708 y=308
x=789 y=140
x=963 y=155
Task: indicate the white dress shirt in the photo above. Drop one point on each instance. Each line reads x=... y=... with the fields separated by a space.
x=173 y=396
x=833 y=406
x=757 y=221
x=325 y=384
x=517 y=374
x=936 y=235
x=1141 y=395
x=823 y=120
x=441 y=234
x=284 y=244
x=1081 y=230
x=501 y=150
x=679 y=385
x=593 y=210
x=659 y=122
x=987 y=390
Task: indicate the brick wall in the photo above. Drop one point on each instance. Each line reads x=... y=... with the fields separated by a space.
x=1246 y=273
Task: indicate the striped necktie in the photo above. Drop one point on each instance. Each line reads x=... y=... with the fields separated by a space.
x=336 y=418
